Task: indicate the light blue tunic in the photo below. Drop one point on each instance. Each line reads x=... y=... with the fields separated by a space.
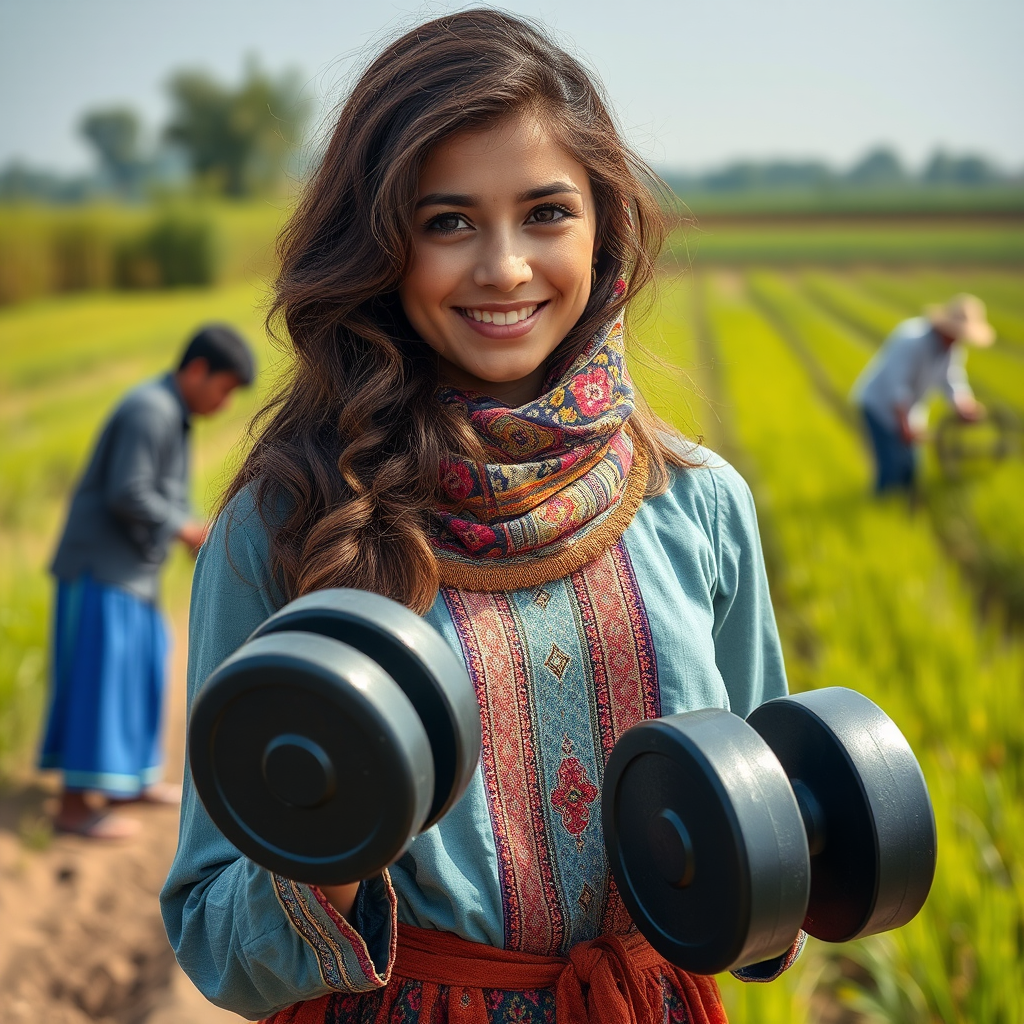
x=686 y=582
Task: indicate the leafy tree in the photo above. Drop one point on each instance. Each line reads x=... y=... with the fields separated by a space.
x=114 y=133
x=772 y=174
x=881 y=166
x=944 y=169
x=236 y=139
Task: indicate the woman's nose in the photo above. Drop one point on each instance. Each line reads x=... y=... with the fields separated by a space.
x=502 y=266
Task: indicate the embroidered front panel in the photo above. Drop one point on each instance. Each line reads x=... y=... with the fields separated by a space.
x=623 y=667
x=561 y=671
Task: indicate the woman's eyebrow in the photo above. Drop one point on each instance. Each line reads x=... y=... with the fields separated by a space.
x=552 y=188
x=445 y=199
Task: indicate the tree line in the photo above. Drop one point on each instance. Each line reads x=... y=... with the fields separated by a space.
x=234 y=140
x=881 y=167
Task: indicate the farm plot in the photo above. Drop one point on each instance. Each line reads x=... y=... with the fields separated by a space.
x=867 y=599
x=977 y=516
x=673 y=370
x=847 y=243
x=866 y=596
x=998 y=371
x=64 y=363
x=1002 y=292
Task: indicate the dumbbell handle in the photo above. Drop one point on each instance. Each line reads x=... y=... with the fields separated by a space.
x=813 y=815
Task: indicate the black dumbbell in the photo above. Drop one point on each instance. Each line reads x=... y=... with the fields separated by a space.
x=342 y=728
x=726 y=837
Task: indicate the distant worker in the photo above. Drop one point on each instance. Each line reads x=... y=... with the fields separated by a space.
x=110 y=643
x=922 y=354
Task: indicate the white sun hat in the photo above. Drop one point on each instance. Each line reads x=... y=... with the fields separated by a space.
x=963 y=318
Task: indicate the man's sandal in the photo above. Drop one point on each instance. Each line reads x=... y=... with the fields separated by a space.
x=164 y=793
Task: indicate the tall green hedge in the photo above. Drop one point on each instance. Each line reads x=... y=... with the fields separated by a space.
x=47 y=250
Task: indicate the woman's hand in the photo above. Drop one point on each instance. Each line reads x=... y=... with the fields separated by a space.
x=341 y=897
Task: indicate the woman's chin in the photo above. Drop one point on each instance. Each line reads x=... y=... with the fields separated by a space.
x=512 y=385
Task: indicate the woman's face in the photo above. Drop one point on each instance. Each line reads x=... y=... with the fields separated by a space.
x=503 y=246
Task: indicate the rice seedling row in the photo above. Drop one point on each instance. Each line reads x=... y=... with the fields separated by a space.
x=977 y=514
x=880 y=608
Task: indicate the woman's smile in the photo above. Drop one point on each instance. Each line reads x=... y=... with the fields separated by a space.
x=494 y=321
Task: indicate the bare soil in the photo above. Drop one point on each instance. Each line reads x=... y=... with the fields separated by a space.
x=81 y=939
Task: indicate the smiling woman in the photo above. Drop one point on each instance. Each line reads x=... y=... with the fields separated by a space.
x=461 y=433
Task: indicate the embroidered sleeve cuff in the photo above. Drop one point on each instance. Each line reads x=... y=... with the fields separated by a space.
x=769 y=970
x=352 y=957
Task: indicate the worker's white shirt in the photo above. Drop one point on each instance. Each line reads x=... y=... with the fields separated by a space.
x=911 y=362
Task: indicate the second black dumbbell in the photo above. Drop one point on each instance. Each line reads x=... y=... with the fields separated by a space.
x=343 y=727
x=727 y=837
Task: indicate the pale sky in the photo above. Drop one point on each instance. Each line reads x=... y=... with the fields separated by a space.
x=694 y=84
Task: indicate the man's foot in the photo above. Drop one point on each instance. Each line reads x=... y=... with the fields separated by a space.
x=101 y=825
x=166 y=793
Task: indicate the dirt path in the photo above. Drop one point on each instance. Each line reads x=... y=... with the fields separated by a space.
x=81 y=940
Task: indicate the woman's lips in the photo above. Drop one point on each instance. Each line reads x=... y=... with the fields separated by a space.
x=469 y=316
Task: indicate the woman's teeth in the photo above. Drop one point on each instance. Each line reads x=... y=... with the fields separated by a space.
x=513 y=316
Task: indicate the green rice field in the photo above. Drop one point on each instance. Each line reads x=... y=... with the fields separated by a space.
x=874 y=595
x=919 y=606
x=851 y=242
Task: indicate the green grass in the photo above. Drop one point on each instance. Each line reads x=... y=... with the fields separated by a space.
x=874 y=318
x=866 y=594
x=52 y=250
x=1002 y=292
x=998 y=371
x=832 y=325
x=838 y=199
x=670 y=368
x=63 y=363
x=873 y=603
x=835 y=243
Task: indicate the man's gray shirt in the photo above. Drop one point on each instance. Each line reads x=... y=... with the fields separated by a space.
x=133 y=497
x=911 y=362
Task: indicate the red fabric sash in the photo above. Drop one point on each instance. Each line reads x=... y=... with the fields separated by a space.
x=612 y=980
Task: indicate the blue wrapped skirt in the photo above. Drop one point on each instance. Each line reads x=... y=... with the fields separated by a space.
x=108 y=674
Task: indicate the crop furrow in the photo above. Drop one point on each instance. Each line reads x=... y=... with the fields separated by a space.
x=976 y=518
x=891 y=618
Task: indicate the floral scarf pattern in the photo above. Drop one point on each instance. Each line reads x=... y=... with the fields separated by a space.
x=556 y=470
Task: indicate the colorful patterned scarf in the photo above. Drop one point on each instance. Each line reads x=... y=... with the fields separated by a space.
x=562 y=479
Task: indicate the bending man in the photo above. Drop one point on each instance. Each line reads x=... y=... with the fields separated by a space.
x=109 y=643
x=920 y=355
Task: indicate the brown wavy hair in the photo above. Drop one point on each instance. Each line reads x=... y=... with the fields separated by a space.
x=345 y=461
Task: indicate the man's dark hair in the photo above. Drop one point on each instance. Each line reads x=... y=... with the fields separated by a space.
x=223 y=348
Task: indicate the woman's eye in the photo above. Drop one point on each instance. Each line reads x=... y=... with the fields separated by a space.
x=447 y=223
x=548 y=214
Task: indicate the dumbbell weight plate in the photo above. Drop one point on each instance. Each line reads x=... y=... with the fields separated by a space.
x=310 y=759
x=705 y=841
x=878 y=858
x=417 y=657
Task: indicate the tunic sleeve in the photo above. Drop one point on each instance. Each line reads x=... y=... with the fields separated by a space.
x=251 y=941
x=747 y=648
